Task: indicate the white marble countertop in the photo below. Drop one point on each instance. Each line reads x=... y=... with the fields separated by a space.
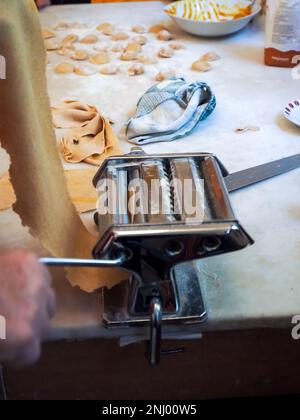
x=259 y=286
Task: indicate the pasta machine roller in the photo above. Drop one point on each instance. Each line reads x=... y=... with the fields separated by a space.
x=155 y=213
x=162 y=211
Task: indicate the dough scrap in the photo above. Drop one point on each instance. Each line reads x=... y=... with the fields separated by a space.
x=27 y=134
x=246 y=128
x=72 y=114
x=90 y=138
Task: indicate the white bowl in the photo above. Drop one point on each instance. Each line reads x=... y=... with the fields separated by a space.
x=292 y=112
x=212 y=29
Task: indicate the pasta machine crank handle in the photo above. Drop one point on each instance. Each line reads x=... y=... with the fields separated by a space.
x=80 y=262
x=153 y=346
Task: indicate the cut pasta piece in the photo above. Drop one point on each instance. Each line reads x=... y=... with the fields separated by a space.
x=138 y=29
x=100 y=58
x=201 y=66
x=51 y=45
x=147 y=59
x=166 y=52
x=140 y=39
x=154 y=29
x=164 y=35
x=80 y=55
x=210 y=56
x=47 y=34
x=109 y=70
x=106 y=28
x=176 y=46
x=136 y=69
x=89 y=39
x=164 y=75
x=64 y=68
x=119 y=36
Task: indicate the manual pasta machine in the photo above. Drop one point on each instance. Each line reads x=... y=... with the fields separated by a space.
x=154 y=213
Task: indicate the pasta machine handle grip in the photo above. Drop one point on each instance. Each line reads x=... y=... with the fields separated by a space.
x=80 y=262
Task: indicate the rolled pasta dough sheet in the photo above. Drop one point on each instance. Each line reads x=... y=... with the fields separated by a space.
x=26 y=133
x=79 y=181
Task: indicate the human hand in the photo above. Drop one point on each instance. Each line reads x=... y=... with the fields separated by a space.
x=42 y=3
x=27 y=303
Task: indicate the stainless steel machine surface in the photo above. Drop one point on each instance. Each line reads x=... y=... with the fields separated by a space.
x=157 y=212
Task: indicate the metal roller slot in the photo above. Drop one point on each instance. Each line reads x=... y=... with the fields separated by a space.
x=189 y=197
x=158 y=192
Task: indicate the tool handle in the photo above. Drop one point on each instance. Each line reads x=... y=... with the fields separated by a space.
x=155 y=332
x=80 y=262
